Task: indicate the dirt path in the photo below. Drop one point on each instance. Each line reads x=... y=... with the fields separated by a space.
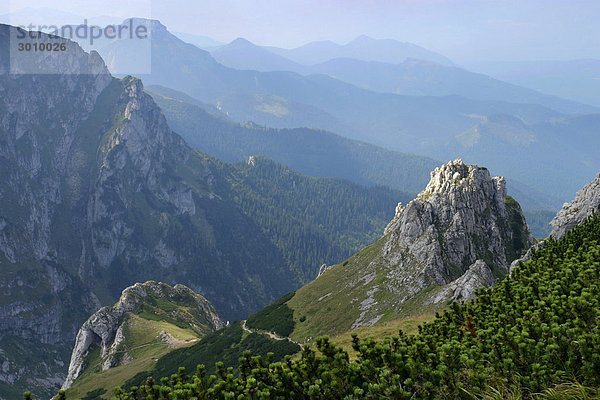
x=272 y=335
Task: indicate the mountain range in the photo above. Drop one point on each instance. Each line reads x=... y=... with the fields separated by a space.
x=458 y=235
x=276 y=176
x=420 y=124
x=313 y=152
x=316 y=152
x=361 y=48
x=412 y=75
x=99 y=193
x=439 y=251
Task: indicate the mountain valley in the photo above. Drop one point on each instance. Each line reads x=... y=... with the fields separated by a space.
x=284 y=200
x=104 y=195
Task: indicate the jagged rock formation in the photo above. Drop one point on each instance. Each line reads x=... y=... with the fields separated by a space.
x=98 y=193
x=105 y=327
x=575 y=212
x=461 y=217
x=478 y=276
x=458 y=235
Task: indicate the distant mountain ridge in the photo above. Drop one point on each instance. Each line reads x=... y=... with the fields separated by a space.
x=198 y=40
x=529 y=151
x=417 y=124
x=362 y=48
x=313 y=152
x=577 y=79
x=310 y=151
x=420 y=76
x=426 y=78
x=242 y=54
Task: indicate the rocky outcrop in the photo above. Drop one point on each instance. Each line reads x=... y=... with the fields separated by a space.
x=105 y=327
x=322 y=269
x=40 y=123
x=458 y=235
x=462 y=216
x=98 y=193
x=478 y=276
x=586 y=202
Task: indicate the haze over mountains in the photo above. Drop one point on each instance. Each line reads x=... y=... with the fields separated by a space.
x=311 y=151
x=244 y=172
x=577 y=80
x=361 y=48
x=385 y=66
x=422 y=124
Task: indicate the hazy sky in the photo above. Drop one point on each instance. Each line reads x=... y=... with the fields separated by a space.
x=464 y=30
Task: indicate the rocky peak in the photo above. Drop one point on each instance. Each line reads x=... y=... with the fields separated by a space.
x=72 y=61
x=478 y=276
x=105 y=327
x=458 y=235
x=153 y=24
x=586 y=202
x=462 y=216
x=456 y=185
x=463 y=219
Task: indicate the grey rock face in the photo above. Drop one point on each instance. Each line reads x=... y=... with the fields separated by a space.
x=478 y=276
x=575 y=212
x=459 y=218
x=37 y=143
x=104 y=328
x=322 y=269
x=97 y=193
x=458 y=235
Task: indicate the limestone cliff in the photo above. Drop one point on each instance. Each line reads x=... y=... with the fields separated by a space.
x=462 y=216
x=105 y=328
x=458 y=235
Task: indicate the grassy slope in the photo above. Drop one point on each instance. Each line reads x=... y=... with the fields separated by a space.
x=143 y=337
x=144 y=328
x=409 y=325
x=328 y=305
x=333 y=303
x=226 y=345
x=534 y=333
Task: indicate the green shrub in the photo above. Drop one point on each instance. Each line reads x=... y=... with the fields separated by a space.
x=276 y=317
